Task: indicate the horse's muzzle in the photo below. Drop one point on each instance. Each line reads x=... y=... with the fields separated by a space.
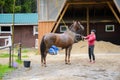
x=78 y=37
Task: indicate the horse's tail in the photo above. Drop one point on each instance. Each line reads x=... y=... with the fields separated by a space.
x=42 y=47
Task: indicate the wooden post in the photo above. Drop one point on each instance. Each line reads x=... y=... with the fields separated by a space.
x=113 y=11
x=19 y=52
x=10 y=56
x=61 y=16
x=88 y=20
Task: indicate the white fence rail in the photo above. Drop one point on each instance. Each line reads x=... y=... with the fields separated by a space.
x=7 y=44
x=7 y=41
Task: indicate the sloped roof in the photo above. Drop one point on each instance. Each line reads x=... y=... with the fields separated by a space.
x=117 y=3
x=20 y=19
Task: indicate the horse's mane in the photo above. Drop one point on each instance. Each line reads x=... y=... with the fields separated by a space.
x=70 y=32
x=70 y=26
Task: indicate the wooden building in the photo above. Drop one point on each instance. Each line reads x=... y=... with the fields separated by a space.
x=102 y=15
x=25 y=29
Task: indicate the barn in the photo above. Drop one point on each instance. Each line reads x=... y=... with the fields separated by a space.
x=25 y=29
x=102 y=15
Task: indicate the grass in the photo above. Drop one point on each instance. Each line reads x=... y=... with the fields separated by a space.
x=6 y=55
x=19 y=61
x=25 y=50
x=24 y=54
x=30 y=50
x=4 y=69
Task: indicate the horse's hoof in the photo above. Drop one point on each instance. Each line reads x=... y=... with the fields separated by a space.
x=42 y=65
x=66 y=63
x=45 y=66
x=69 y=63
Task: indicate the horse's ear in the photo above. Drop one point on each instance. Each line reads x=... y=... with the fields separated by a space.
x=79 y=22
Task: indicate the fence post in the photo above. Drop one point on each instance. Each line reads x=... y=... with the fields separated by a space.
x=19 y=52
x=10 y=57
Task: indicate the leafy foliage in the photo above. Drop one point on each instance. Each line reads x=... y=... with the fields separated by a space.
x=21 y=6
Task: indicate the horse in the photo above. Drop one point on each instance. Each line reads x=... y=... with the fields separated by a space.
x=64 y=40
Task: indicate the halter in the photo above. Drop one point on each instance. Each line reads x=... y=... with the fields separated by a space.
x=81 y=26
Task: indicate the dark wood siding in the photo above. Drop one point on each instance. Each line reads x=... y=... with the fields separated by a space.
x=24 y=35
x=108 y=36
x=101 y=34
x=100 y=15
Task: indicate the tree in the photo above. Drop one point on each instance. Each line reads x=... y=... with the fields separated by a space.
x=2 y=2
x=28 y=6
x=17 y=9
x=34 y=6
x=18 y=6
x=21 y=6
x=8 y=6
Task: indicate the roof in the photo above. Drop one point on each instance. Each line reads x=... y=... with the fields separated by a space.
x=117 y=3
x=20 y=19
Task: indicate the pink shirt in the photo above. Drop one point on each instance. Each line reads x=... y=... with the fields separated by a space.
x=91 y=39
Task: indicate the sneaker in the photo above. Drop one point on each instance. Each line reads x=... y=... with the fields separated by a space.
x=93 y=61
x=90 y=61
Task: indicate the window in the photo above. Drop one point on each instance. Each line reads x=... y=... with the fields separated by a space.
x=6 y=29
x=35 y=30
x=109 y=28
x=63 y=28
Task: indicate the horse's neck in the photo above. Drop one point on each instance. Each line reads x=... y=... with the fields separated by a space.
x=73 y=30
x=69 y=32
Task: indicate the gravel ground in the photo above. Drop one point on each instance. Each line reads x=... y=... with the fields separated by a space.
x=107 y=66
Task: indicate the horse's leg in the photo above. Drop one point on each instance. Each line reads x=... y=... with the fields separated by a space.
x=69 y=51
x=66 y=56
x=45 y=59
x=42 y=60
x=43 y=51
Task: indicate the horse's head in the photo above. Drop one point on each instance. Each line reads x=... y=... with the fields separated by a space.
x=76 y=26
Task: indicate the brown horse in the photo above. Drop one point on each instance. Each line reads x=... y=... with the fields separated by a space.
x=64 y=40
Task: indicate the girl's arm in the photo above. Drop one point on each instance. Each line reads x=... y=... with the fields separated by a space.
x=86 y=37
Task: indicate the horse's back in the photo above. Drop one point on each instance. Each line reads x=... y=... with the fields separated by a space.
x=63 y=40
x=60 y=40
x=50 y=38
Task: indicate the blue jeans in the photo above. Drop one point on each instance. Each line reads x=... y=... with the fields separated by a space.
x=91 y=52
